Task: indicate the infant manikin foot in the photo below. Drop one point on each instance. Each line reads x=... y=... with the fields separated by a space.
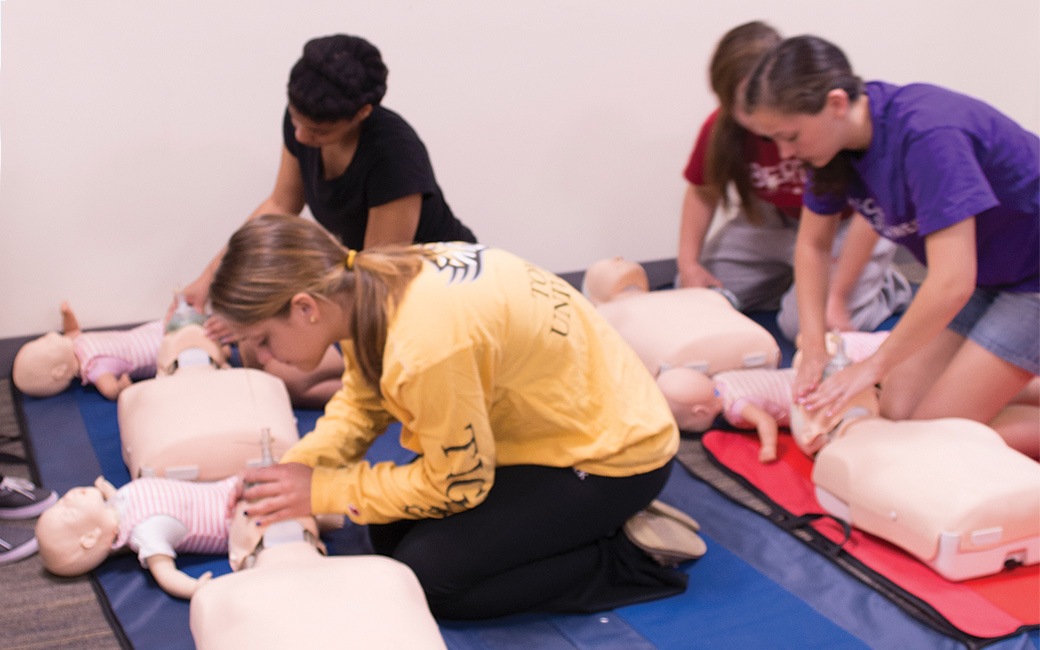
x=767 y=454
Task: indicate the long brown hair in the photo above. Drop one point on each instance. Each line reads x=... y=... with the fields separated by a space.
x=735 y=57
x=795 y=77
x=272 y=258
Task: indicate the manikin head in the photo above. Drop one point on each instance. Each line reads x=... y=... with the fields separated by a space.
x=192 y=342
x=247 y=541
x=612 y=278
x=76 y=533
x=811 y=431
x=45 y=366
x=691 y=397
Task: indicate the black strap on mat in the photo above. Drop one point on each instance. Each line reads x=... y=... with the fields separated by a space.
x=703 y=465
x=832 y=550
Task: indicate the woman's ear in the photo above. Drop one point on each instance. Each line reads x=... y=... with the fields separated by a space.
x=304 y=306
x=838 y=101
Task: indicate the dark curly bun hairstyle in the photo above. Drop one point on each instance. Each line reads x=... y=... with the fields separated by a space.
x=335 y=77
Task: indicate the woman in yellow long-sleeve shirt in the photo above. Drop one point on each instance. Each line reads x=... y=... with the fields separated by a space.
x=538 y=431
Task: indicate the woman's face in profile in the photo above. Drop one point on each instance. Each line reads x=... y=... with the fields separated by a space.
x=312 y=133
x=292 y=340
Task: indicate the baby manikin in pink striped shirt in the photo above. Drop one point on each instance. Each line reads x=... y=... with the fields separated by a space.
x=755 y=398
x=157 y=518
x=110 y=360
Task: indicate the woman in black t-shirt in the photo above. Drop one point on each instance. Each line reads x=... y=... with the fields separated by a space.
x=360 y=168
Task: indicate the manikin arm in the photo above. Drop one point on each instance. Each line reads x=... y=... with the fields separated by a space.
x=69 y=324
x=765 y=424
x=172 y=580
x=110 y=386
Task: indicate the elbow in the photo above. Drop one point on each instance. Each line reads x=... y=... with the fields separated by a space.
x=814 y=247
x=959 y=288
x=961 y=293
x=706 y=194
x=954 y=291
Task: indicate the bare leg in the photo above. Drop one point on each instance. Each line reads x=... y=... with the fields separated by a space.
x=907 y=384
x=1030 y=394
x=1019 y=425
x=976 y=384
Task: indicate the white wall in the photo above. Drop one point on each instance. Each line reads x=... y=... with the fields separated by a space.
x=138 y=134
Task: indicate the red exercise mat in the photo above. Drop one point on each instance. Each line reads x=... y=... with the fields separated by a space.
x=989 y=607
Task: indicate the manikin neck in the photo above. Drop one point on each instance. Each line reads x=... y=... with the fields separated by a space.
x=286 y=540
x=286 y=553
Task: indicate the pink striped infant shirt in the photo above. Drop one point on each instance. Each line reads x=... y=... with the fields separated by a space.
x=116 y=352
x=770 y=389
x=860 y=345
x=767 y=388
x=163 y=516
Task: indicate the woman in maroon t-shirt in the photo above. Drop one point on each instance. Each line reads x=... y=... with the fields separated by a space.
x=752 y=254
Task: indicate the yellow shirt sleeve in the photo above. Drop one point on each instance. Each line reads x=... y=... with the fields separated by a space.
x=353 y=419
x=455 y=469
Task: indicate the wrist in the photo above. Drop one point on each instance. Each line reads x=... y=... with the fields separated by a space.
x=838 y=296
x=878 y=363
x=813 y=345
x=686 y=263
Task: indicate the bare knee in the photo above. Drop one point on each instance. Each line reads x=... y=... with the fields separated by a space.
x=898 y=405
x=1019 y=426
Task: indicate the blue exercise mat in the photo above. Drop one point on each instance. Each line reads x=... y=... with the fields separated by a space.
x=755 y=588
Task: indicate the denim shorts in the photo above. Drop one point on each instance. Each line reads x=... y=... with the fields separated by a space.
x=1005 y=323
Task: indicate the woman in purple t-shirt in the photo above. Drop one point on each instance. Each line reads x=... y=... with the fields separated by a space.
x=957 y=183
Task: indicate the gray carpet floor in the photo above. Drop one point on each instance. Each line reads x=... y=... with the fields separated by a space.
x=39 y=611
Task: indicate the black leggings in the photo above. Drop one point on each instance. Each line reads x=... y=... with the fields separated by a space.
x=545 y=539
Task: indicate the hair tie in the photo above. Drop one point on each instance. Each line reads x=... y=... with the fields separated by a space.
x=351 y=254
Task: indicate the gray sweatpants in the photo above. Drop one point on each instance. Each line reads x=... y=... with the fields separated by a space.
x=756 y=263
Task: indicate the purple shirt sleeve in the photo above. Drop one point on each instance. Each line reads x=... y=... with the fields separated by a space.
x=822 y=203
x=945 y=181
